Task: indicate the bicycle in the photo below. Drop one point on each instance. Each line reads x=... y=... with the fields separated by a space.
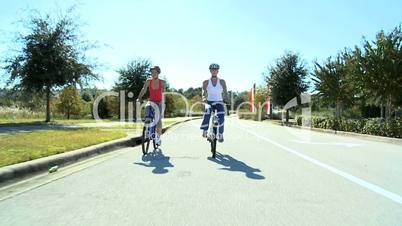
x=149 y=130
x=213 y=129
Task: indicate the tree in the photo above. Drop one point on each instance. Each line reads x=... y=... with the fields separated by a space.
x=261 y=93
x=70 y=102
x=333 y=82
x=286 y=79
x=240 y=98
x=86 y=96
x=108 y=106
x=196 y=101
x=378 y=69
x=6 y=98
x=52 y=56
x=133 y=76
x=192 y=92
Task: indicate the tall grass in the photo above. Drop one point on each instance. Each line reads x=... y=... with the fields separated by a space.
x=12 y=114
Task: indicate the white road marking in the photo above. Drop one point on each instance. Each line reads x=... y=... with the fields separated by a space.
x=372 y=187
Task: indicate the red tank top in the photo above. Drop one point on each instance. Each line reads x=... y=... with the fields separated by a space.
x=155 y=95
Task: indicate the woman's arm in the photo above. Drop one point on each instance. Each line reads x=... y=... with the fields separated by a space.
x=225 y=91
x=143 y=90
x=204 y=90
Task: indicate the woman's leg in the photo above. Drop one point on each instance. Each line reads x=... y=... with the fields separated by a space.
x=159 y=119
x=206 y=118
x=220 y=108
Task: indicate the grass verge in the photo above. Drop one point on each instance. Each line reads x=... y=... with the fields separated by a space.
x=21 y=147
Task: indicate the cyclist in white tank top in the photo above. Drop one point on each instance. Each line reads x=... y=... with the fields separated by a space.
x=215 y=94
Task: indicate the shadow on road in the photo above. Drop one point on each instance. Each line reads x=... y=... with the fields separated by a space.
x=235 y=165
x=156 y=160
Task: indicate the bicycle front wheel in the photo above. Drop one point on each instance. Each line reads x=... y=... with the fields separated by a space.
x=213 y=147
x=145 y=141
x=155 y=145
x=213 y=144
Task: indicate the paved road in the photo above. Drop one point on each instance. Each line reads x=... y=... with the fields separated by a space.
x=264 y=175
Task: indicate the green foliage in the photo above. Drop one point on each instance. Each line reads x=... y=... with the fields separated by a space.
x=364 y=81
x=239 y=98
x=378 y=69
x=192 y=92
x=70 y=102
x=196 y=102
x=86 y=97
x=175 y=106
x=133 y=76
x=109 y=107
x=287 y=78
x=375 y=126
x=24 y=100
x=52 y=56
x=248 y=116
x=333 y=82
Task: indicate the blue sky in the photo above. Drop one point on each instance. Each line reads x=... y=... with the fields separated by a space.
x=184 y=37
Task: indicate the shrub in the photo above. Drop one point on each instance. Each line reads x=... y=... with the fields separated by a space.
x=373 y=126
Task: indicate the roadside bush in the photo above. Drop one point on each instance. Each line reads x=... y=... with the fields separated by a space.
x=248 y=116
x=372 y=126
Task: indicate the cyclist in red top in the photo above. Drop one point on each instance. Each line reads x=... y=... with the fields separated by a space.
x=156 y=89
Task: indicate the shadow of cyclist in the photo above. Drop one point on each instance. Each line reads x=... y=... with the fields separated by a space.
x=232 y=164
x=156 y=160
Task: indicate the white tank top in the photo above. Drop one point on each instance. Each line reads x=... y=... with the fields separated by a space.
x=214 y=92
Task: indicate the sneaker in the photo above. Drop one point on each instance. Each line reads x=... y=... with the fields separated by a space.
x=220 y=138
x=204 y=133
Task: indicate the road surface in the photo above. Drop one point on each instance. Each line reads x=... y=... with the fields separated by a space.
x=264 y=174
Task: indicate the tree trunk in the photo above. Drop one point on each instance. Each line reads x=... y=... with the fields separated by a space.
x=47 y=104
x=388 y=108
x=338 y=110
x=270 y=111
x=287 y=116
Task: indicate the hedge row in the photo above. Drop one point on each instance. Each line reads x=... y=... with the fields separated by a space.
x=372 y=126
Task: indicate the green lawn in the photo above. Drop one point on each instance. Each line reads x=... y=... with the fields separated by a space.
x=25 y=146
x=21 y=147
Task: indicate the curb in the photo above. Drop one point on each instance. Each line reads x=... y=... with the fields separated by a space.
x=25 y=169
x=391 y=140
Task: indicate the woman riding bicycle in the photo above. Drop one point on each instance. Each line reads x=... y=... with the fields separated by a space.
x=215 y=94
x=156 y=89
